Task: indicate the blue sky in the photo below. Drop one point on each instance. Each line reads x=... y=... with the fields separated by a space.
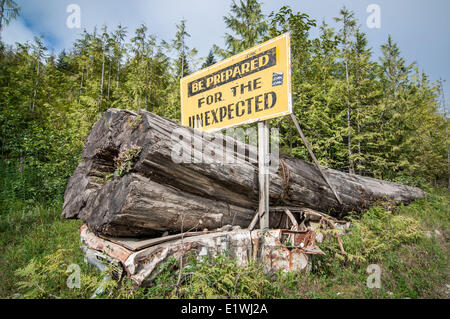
x=419 y=27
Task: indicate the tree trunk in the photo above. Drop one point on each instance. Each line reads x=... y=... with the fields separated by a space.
x=290 y=139
x=349 y=142
x=35 y=86
x=109 y=79
x=448 y=151
x=2 y=9
x=118 y=70
x=81 y=85
x=160 y=194
x=101 y=82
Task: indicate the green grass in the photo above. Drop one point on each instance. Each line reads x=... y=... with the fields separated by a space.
x=413 y=265
x=28 y=232
x=37 y=246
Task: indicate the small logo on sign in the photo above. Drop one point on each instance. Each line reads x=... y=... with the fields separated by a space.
x=277 y=78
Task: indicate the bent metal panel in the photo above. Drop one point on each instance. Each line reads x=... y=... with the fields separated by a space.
x=252 y=86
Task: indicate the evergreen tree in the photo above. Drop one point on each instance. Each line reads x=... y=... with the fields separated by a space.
x=9 y=10
x=346 y=32
x=447 y=146
x=366 y=92
x=38 y=54
x=182 y=66
x=248 y=26
x=298 y=25
x=184 y=53
x=118 y=49
x=210 y=60
x=395 y=82
x=62 y=61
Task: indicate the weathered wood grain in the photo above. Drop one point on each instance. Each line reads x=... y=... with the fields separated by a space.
x=161 y=195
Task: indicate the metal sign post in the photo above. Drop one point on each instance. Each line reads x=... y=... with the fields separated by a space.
x=263 y=174
x=305 y=141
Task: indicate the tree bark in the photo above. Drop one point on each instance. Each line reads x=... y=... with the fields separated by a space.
x=161 y=195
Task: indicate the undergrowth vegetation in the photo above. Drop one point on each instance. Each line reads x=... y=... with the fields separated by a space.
x=409 y=243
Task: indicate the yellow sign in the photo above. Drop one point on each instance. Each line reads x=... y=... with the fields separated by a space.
x=252 y=86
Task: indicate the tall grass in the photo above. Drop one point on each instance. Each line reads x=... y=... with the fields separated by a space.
x=30 y=222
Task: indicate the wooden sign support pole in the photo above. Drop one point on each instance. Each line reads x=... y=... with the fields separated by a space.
x=263 y=177
x=305 y=141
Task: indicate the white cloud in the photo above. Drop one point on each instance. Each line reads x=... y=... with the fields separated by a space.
x=17 y=31
x=204 y=19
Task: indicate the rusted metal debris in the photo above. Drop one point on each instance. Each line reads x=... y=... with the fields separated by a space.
x=276 y=249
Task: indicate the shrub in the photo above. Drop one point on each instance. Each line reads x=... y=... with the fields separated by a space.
x=124 y=161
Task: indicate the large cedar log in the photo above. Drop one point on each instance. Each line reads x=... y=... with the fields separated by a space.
x=160 y=195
